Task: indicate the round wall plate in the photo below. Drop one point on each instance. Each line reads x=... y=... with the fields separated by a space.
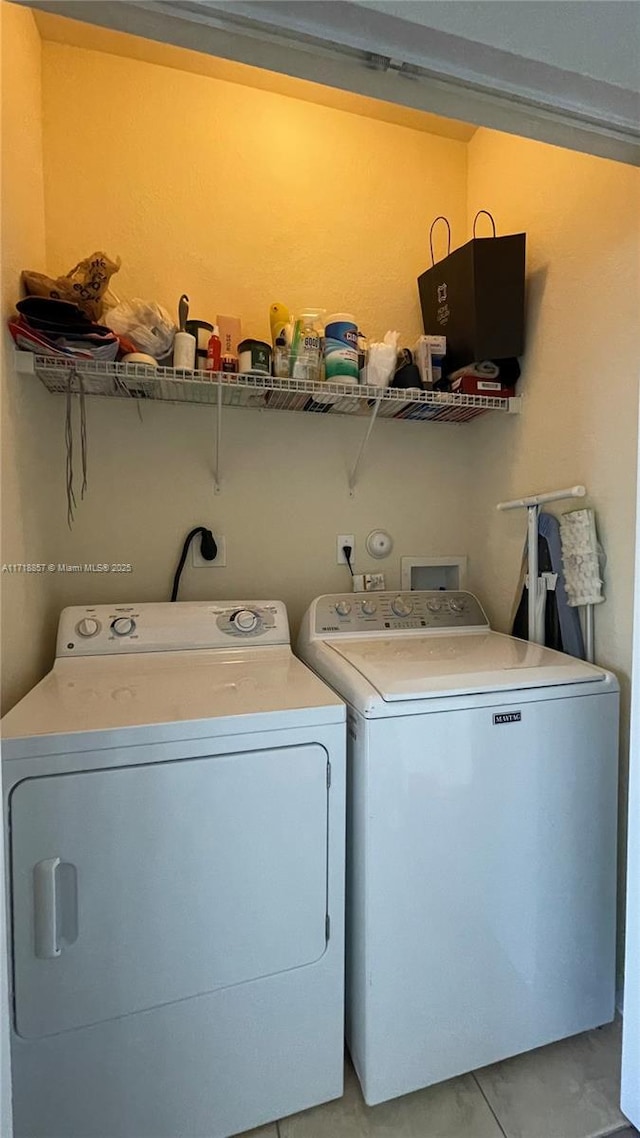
x=379 y=543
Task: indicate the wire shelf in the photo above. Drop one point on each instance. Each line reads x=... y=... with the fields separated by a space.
x=137 y=381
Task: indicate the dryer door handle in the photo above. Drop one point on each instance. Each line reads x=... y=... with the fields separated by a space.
x=45 y=908
x=55 y=906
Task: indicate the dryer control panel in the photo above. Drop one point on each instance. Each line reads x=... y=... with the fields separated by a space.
x=389 y=612
x=103 y=630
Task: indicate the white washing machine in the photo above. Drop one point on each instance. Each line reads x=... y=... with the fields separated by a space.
x=174 y=790
x=481 y=835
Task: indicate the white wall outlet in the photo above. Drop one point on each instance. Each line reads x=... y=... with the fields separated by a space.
x=341 y=540
x=198 y=561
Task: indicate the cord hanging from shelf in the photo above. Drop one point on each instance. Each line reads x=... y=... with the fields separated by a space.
x=68 y=436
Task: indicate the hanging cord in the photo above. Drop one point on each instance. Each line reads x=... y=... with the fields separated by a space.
x=68 y=436
x=347 y=550
x=487 y=214
x=435 y=221
x=83 y=436
x=208 y=549
x=124 y=390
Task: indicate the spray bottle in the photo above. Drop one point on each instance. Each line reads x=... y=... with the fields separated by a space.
x=305 y=357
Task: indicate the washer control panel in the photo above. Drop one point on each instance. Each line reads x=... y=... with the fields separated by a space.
x=101 y=630
x=389 y=612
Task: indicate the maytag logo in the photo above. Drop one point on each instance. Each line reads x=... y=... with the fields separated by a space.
x=507 y=717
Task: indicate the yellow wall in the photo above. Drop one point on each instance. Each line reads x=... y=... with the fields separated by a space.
x=26 y=608
x=240 y=197
x=580 y=377
x=28 y=518
x=580 y=380
x=582 y=219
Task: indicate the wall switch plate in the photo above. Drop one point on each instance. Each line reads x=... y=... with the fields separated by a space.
x=341 y=540
x=198 y=561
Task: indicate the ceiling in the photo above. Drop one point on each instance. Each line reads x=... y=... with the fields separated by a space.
x=565 y=72
x=587 y=37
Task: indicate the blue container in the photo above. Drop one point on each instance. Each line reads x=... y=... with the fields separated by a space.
x=341 y=348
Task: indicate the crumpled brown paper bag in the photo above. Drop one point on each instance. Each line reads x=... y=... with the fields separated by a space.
x=84 y=285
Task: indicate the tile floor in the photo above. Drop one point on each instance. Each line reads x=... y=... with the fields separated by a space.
x=567 y=1090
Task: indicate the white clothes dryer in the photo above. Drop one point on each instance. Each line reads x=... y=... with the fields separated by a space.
x=481 y=835
x=174 y=795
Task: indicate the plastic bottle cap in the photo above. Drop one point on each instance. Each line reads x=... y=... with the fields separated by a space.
x=216 y=330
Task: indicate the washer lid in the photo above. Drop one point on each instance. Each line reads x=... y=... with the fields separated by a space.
x=420 y=667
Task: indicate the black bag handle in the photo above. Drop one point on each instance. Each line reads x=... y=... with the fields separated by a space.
x=435 y=221
x=487 y=214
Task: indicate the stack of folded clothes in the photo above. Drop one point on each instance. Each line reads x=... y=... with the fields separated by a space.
x=58 y=328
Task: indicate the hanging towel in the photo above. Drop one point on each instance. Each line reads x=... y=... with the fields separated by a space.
x=562 y=623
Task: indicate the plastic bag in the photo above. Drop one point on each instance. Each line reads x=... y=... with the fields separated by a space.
x=381 y=360
x=86 y=284
x=146 y=324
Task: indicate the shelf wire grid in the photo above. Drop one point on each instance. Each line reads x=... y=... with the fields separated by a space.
x=140 y=381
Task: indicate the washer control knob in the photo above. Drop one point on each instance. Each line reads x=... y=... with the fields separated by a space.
x=456 y=604
x=434 y=606
x=402 y=607
x=123 y=625
x=369 y=608
x=88 y=626
x=343 y=608
x=245 y=620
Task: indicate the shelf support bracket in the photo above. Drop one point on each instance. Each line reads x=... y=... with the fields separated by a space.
x=353 y=476
x=216 y=468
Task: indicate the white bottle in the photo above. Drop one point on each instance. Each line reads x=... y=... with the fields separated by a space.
x=184 y=351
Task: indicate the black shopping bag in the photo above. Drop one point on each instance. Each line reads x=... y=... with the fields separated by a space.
x=475 y=297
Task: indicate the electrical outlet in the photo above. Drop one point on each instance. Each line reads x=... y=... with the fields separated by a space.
x=198 y=561
x=341 y=540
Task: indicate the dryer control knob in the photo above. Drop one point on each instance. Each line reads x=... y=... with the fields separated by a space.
x=369 y=608
x=402 y=607
x=456 y=604
x=245 y=620
x=88 y=626
x=343 y=608
x=123 y=626
x=434 y=606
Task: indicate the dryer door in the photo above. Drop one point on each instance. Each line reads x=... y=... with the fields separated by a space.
x=137 y=886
